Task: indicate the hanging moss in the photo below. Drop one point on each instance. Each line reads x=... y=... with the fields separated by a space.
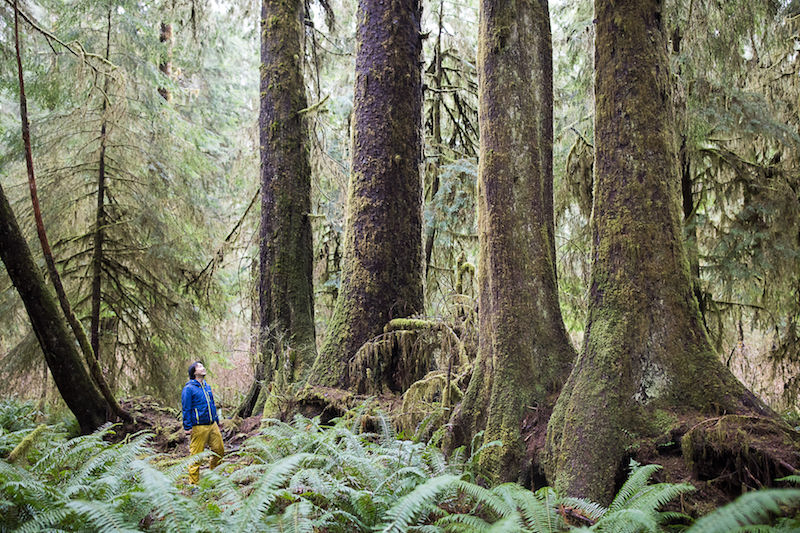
x=392 y=362
x=426 y=404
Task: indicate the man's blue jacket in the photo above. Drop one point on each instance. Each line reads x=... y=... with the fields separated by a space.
x=198 y=404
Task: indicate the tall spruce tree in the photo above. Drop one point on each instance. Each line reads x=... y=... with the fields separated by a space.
x=382 y=265
x=524 y=352
x=646 y=357
x=287 y=339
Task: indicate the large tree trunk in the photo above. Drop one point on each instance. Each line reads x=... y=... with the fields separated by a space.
x=524 y=352
x=382 y=270
x=59 y=348
x=646 y=358
x=287 y=335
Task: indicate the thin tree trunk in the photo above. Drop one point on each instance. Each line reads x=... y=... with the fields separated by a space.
x=165 y=65
x=436 y=119
x=524 y=352
x=75 y=325
x=286 y=293
x=383 y=262
x=646 y=357
x=100 y=218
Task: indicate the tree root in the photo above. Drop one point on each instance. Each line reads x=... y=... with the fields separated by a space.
x=738 y=453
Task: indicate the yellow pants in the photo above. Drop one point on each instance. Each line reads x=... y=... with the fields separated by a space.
x=203 y=436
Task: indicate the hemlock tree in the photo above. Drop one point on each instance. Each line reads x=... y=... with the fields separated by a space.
x=382 y=267
x=286 y=335
x=646 y=357
x=56 y=340
x=110 y=148
x=524 y=353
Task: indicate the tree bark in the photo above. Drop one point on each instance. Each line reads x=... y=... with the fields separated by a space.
x=165 y=64
x=646 y=357
x=524 y=354
x=286 y=293
x=383 y=264
x=58 y=346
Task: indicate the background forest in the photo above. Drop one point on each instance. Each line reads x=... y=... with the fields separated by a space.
x=146 y=121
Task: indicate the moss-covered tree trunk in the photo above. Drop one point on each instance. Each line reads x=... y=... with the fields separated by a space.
x=382 y=269
x=287 y=336
x=646 y=359
x=524 y=353
x=57 y=343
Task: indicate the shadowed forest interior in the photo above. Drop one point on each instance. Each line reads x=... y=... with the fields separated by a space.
x=452 y=265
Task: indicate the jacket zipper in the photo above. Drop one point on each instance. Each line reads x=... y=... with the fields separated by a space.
x=208 y=404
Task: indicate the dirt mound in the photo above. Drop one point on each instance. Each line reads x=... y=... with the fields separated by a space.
x=165 y=424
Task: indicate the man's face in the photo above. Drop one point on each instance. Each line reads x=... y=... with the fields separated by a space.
x=199 y=371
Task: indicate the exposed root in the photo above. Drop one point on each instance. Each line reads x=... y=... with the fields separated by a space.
x=737 y=452
x=326 y=402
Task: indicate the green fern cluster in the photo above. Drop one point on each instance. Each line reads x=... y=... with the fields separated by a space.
x=305 y=477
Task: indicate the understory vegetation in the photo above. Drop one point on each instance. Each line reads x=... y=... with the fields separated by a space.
x=305 y=476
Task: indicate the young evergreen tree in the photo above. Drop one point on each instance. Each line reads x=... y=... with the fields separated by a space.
x=524 y=353
x=646 y=356
x=287 y=339
x=126 y=182
x=382 y=265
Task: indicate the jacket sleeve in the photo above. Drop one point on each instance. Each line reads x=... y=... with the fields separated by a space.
x=186 y=404
x=215 y=417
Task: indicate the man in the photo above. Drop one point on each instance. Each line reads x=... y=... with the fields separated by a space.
x=200 y=418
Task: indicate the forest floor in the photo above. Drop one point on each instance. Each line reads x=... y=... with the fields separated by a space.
x=723 y=465
x=165 y=425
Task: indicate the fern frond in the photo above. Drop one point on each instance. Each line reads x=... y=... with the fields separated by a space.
x=409 y=507
x=104 y=518
x=266 y=489
x=652 y=497
x=388 y=436
x=159 y=493
x=506 y=525
x=748 y=509
x=627 y=521
x=636 y=482
x=539 y=509
x=588 y=508
x=463 y=522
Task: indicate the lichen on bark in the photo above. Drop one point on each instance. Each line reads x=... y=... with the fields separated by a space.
x=524 y=353
x=382 y=265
